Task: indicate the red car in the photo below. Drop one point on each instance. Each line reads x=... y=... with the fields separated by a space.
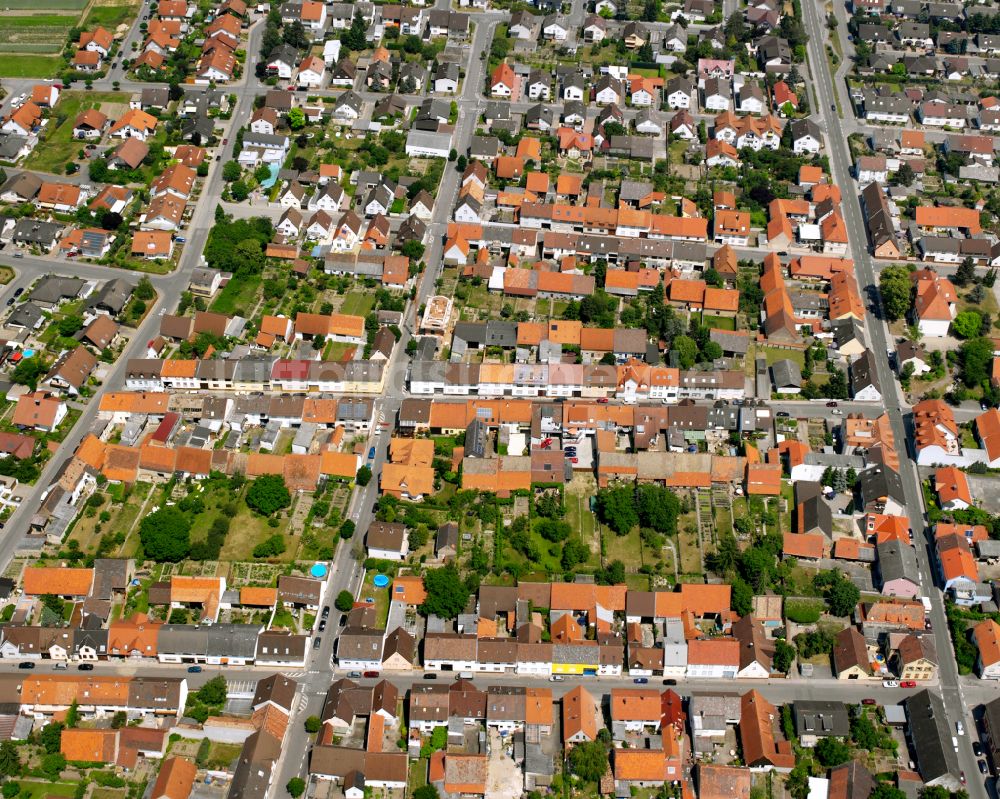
x=908 y=684
x=371 y=674
x=868 y=701
x=603 y=400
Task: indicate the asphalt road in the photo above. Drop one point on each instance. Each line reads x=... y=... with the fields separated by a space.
x=347 y=572
x=169 y=289
x=879 y=339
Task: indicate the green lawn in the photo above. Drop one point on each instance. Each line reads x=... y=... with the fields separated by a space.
x=358 y=303
x=31 y=789
x=626 y=548
x=338 y=350
x=381 y=597
x=58 y=147
x=719 y=322
x=774 y=354
x=28 y=66
x=238 y=297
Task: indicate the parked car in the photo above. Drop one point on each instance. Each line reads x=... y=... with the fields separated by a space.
x=831 y=404
x=556 y=678
x=670 y=682
x=60 y=667
x=641 y=680
x=890 y=684
x=782 y=414
x=317 y=642
x=371 y=674
x=371 y=454
x=90 y=667
x=960 y=728
x=983 y=768
x=322 y=625
x=354 y=674
x=194 y=669
x=326 y=611
x=977 y=748
x=426 y=676
x=868 y=701
x=27 y=664
x=908 y=684
x=603 y=400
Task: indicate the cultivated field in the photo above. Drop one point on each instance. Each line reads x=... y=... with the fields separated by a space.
x=34 y=32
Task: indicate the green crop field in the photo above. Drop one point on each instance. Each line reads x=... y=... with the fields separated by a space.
x=34 y=34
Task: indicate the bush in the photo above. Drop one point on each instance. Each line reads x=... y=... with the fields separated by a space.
x=270 y=547
x=313 y=725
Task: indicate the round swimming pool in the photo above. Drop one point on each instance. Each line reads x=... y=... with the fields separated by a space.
x=380 y=580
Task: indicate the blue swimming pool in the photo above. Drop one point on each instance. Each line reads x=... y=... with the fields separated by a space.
x=272 y=178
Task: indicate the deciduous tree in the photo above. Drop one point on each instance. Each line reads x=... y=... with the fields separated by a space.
x=268 y=494
x=166 y=535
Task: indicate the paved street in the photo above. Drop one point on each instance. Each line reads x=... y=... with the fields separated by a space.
x=840 y=163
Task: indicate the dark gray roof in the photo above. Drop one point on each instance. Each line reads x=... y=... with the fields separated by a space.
x=896 y=561
x=786 y=374
x=730 y=341
x=821 y=719
x=27 y=314
x=214 y=640
x=930 y=733
x=52 y=289
x=815 y=516
x=447 y=536
x=846 y=330
x=880 y=481
x=111 y=297
x=276 y=646
x=34 y=231
x=864 y=374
